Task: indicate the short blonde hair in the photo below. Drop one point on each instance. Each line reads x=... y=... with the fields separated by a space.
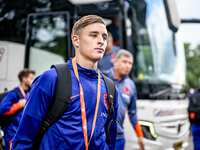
x=85 y=21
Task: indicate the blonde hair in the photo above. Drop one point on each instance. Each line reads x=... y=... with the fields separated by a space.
x=85 y=21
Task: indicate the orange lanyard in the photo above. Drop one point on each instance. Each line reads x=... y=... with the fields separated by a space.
x=22 y=91
x=83 y=111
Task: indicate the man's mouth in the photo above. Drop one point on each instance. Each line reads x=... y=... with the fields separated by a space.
x=99 y=49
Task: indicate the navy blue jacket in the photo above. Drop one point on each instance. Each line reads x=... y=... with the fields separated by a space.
x=67 y=132
x=127 y=97
x=8 y=102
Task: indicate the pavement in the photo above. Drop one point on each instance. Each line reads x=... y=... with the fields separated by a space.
x=191 y=146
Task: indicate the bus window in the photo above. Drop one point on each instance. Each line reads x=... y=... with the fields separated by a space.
x=47 y=40
x=159 y=56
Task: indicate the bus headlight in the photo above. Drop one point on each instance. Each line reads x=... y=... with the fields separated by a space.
x=148 y=130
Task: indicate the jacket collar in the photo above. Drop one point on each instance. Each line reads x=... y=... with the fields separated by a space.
x=88 y=73
x=112 y=75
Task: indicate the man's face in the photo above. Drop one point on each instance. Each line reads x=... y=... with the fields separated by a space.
x=123 y=65
x=29 y=80
x=91 y=42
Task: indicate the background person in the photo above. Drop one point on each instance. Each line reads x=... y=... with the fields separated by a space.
x=127 y=96
x=195 y=125
x=108 y=58
x=75 y=127
x=11 y=104
x=113 y=28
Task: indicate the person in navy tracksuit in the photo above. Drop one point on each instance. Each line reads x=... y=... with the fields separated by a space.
x=109 y=56
x=195 y=130
x=77 y=128
x=11 y=104
x=127 y=96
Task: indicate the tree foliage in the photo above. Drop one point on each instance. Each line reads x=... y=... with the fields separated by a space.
x=13 y=15
x=193 y=65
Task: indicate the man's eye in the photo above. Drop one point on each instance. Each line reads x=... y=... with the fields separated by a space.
x=93 y=35
x=104 y=38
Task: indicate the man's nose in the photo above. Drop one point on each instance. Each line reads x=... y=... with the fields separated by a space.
x=101 y=40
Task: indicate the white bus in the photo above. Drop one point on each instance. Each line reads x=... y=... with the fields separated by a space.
x=147 y=28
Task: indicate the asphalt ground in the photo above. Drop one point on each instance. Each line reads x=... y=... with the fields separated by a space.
x=191 y=146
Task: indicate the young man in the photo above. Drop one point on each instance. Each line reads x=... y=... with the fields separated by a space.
x=80 y=127
x=108 y=58
x=127 y=96
x=11 y=104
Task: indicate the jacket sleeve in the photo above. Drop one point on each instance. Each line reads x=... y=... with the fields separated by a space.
x=113 y=127
x=132 y=111
x=132 y=108
x=35 y=110
x=10 y=104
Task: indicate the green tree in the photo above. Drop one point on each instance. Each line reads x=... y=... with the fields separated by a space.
x=193 y=65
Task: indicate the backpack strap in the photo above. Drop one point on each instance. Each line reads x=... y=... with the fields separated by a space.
x=61 y=99
x=111 y=89
x=19 y=95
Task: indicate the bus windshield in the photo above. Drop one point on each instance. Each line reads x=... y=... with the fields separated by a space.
x=160 y=57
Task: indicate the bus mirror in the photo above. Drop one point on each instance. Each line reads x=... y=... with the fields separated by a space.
x=172 y=14
x=81 y=2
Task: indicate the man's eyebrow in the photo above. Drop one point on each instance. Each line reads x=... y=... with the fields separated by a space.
x=94 y=32
x=104 y=34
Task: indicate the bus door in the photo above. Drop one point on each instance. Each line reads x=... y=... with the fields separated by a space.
x=47 y=40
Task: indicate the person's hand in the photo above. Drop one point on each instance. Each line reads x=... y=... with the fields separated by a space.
x=22 y=102
x=141 y=143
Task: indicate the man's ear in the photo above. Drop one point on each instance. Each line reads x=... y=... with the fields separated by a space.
x=114 y=62
x=75 y=40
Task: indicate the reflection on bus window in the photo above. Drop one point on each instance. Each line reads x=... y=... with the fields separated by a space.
x=47 y=41
x=157 y=49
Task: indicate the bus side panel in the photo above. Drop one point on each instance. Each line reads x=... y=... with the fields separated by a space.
x=12 y=61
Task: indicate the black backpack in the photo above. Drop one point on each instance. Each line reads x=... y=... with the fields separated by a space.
x=194 y=108
x=62 y=99
x=6 y=119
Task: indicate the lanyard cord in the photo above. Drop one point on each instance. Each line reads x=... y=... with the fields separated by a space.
x=22 y=91
x=83 y=111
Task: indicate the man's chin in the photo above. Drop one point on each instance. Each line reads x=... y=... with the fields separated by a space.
x=99 y=58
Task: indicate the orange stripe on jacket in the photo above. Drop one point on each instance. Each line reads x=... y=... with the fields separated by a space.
x=138 y=130
x=15 y=107
x=75 y=96
x=10 y=143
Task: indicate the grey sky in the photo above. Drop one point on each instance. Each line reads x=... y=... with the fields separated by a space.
x=189 y=9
